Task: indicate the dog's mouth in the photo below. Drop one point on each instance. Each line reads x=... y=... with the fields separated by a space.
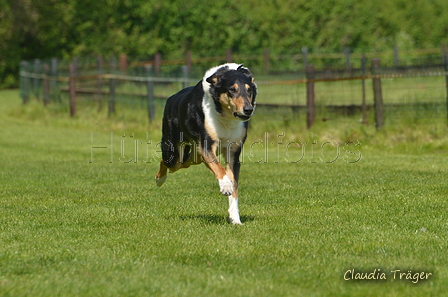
x=241 y=117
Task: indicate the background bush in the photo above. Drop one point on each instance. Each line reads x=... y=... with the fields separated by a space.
x=32 y=29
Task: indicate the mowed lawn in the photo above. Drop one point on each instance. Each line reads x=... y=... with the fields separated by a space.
x=74 y=224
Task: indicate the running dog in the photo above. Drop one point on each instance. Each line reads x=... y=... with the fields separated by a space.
x=203 y=121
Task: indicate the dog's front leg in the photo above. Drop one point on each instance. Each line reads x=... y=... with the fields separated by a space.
x=234 y=212
x=212 y=163
x=233 y=171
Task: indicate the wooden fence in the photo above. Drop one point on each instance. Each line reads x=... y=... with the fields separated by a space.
x=49 y=79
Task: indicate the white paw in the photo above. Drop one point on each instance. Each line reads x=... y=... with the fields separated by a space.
x=160 y=181
x=225 y=185
x=235 y=219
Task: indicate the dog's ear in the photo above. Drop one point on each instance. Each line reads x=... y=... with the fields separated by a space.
x=214 y=79
x=246 y=71
x=254 y=92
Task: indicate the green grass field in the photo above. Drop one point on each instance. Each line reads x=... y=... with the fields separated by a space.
x=77 y=220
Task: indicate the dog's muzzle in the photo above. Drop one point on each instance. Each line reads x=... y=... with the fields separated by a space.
x=248 y=111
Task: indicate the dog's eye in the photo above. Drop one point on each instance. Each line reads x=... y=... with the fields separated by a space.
x=232 y=90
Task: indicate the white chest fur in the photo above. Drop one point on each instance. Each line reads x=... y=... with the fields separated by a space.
x=226 y=130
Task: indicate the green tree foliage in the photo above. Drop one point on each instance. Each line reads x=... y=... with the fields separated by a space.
x=53 y=28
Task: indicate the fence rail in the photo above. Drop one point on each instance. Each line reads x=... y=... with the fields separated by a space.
x=146 y=81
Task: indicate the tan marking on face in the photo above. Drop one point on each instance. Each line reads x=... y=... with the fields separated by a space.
x=225 y=101
x=233 y=104
x=238 y=102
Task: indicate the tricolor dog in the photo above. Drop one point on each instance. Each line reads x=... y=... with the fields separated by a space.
x=211 y=118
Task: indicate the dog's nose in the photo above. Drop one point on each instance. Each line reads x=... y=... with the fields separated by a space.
x=248 y=110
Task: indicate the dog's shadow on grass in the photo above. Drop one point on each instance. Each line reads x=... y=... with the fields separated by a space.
x=213 y=219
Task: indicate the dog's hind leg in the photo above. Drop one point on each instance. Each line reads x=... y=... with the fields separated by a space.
x=170 y=156
x=162 y=174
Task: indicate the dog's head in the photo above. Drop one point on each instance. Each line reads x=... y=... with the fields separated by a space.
x=233 y=90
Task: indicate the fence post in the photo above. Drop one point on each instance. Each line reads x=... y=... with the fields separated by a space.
x=266 y=61
x=188 y=61
x=445 y=63
x=150 y=93
x=446 y=84
x=75 y=63
x=377 y=93
x=185 y=76
x=99 y=82
x=310 y=104
x=24 y=83
x=113 y=68
x=229 y=55
x=54 y=82
x=305 y=56
x=348 y=64
x=444 y=53
x=364 y=105
x=72 y=90
x=36 y=79
x=396 y=59
x=123 y=63
x=157 y=62
x=46 y=84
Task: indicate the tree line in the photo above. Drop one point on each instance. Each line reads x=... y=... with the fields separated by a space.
x=32 y=29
